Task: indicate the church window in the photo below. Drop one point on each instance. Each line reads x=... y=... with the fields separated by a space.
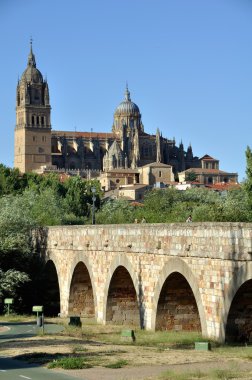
x=37 y=119
x=42 y=120
x=210 y=180
x=32 y=120
x=160 y=173
x=146 y=151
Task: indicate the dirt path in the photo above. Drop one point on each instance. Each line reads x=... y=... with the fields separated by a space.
x=154 y=371
x=143 y=362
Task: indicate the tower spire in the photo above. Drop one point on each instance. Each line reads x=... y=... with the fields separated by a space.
x=127 y=93
x=31 y=56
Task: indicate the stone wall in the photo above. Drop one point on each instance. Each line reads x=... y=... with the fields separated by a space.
x=212 y=261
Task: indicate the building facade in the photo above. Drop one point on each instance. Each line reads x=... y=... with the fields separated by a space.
x=33 y=120
x=127 y=146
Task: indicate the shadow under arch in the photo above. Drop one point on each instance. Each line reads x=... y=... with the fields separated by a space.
x=117 y=263
x=240 y=277
x=80 y=265
x=179 y=266
x=51 y=289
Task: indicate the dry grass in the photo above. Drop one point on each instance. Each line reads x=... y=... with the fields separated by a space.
x=98 y=345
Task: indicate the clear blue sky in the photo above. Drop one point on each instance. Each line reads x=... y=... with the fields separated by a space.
x=188 y=64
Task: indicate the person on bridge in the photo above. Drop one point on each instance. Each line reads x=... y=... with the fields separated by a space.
x=189 y=219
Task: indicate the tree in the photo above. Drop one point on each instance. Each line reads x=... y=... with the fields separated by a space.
x=248 y=181
x=78 y=197
x=116 y=211
x=15 y=245
x=11 y=281
x=10 y=181
x=191 y=176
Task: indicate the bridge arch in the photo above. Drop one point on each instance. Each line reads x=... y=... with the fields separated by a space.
x=239 y=285
x=178 y=266
x=51 y=289
x=81 y=288
x=121 y=292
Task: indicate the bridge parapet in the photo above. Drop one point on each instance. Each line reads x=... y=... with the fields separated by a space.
x=226 y=241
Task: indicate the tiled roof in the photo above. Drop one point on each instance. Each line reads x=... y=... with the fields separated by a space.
x=156 y=165
x=225 y=186
x=206 y=157
x=207 y=171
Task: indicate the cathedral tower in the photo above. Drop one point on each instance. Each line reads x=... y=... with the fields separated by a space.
x=33 y=124
x=127 y=116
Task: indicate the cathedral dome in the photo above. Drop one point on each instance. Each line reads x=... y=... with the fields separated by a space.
x=31 y=73
x=127 y=106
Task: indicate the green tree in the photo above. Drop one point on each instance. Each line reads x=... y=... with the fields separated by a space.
x=191 y=176
x=16 y=254
x=248 y=181
x=78 y=196
x=10 y=181
x=116 y=211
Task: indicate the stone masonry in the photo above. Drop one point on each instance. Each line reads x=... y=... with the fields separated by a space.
x=169 y=276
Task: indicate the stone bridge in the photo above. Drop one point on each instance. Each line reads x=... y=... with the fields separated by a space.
x=195 y=277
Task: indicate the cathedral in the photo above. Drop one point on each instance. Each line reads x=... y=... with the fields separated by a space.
x=126 y=147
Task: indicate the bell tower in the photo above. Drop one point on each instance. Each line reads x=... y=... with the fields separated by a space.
x=33 y=120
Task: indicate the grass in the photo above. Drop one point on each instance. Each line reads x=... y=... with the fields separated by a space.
x=111 y=334
x=220 y=374
x=16 y=318
x=170 y=375
x=243 y=352
x=102 y=345
x=117 y=364
x=70 y=362
x=79 y=348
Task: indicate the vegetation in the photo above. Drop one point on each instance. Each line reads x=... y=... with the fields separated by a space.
x=191 y=176
x=117 y=364
x=248 y=182
x=102 y=346
x=26 y=202
x=172 y=206
x=70 y=362
x=221 y=374
x=31 y=200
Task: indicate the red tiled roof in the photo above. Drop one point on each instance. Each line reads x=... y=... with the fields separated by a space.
x=225 y=186
x=208 y=171
x=206 y=157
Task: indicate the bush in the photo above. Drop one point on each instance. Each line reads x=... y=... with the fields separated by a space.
x=70 y=363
